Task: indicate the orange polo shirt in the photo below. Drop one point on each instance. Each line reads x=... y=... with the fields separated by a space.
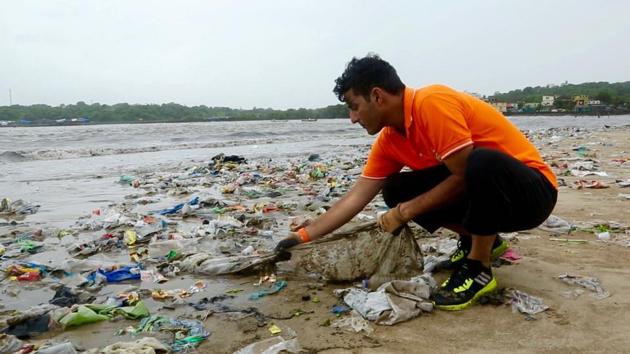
x=440 y=121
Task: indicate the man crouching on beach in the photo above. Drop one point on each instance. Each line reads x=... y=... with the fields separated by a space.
x=472 y=171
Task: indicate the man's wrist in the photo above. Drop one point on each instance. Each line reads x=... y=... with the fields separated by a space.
x=303 y=235
x=403 y=212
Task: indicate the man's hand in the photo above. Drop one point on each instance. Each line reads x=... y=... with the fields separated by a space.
x=299 y=222
x=392 y=221
x=292 y=240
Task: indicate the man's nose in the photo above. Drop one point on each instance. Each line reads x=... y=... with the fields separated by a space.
x=354 y=117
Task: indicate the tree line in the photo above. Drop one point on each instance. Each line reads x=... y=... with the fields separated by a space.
x=168 y=112
x=615 y=94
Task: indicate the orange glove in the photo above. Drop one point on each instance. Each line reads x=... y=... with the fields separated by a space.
x=392 y=221
x=294 y=239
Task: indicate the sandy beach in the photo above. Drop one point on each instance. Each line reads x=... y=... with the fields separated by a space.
x=576 y=321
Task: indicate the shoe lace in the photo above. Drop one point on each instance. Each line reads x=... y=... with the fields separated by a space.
x=459 y=251
x=458 y=277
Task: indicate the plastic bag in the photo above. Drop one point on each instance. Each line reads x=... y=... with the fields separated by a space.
x=61 y=348
x=556 y=225
x=354 y=323
x=590 y=283
x=121 y=274
x=272 y=346
x=525 y=303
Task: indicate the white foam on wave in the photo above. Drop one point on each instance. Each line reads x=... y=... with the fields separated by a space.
x=63 y=154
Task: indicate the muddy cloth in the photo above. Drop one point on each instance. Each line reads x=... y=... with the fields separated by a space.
x=146 y=345
x=19 y=207
x=9 y=344
x=357 y=253
x=203 y=263
x=27 y=323
x=503 y=194
x=228 y=158
x=30 y=327
x=393 y=302
x=65 y=297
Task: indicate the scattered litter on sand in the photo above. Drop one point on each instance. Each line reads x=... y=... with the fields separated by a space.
x=183 y=250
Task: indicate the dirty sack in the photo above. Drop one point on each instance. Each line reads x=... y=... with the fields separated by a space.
x=358 y=253
x=393 y=302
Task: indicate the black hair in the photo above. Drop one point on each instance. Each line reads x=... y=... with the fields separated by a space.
x=362 y=75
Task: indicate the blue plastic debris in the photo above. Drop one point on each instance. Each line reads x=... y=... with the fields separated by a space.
x=277 y=286
x=339 y=309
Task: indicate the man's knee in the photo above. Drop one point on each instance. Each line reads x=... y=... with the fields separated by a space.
x=391 y=190
x=484 y=162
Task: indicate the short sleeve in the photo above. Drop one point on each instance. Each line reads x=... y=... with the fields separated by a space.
x=444 y=124
x=379 y=164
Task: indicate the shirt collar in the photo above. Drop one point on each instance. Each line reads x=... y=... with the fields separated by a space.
x=407 y=104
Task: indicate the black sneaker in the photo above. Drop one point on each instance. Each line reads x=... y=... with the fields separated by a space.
x=463 y=249
x=464 y=286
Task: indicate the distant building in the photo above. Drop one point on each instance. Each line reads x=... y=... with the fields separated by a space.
x=531 y=107
x=580 y=101
x=547 y=101
x=512 y=107
x=500 y=106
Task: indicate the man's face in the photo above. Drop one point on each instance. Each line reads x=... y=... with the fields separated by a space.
x=363 y=112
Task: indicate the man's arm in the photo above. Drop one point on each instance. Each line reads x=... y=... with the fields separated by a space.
x=363 y=191
x=449 y=190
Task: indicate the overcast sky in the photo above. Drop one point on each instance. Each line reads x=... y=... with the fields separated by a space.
x=283 y=54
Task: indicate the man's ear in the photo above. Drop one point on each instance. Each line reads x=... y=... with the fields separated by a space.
x=377 y=95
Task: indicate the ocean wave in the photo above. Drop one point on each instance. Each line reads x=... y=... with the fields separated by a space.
x=12 y=156
x=62 y=154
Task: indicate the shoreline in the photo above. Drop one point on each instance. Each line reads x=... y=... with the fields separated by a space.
x=282 y=120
